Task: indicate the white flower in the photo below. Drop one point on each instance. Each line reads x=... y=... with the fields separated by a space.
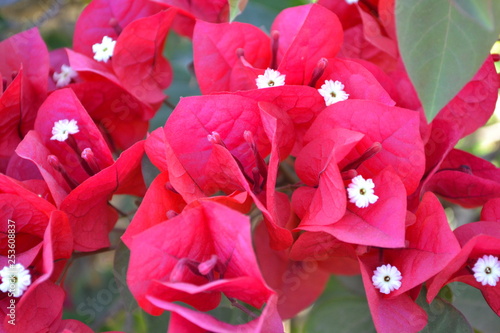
x=271 y=78
x=360 y=192
x=333 y=92
x=63 y=128
x=387 y=278
x=15 y=279
x=487 y=270
x=64 y=78
x=350 y=2
x=104 y=50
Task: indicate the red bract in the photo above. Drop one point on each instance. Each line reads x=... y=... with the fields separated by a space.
x=26 y=51
x=395 y=129
x=475 y=103
x=301 y=103
x=228 y=115
x=137 y=60
x=43 y=245
x=215 y=51
x=477 y=239
x=491 y=210
x=10 y=108
x=23 y=70
x=297 y=46
x=137 y=64
x=121 y=117
x=80 y=171
x=215 y=11
x=107 y=18
x=359 y=82
x=465 y=179
x=297 y=283
x=183 y=320
x=330 y=254
x=209 y=255
x=380 y=224
x=316 y=166
x=418 y=261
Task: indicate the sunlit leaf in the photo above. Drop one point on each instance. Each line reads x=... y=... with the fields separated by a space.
x=442 y=46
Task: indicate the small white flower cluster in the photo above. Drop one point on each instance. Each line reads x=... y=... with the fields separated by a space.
x=487 y=270
x=270 y=78
x=64 y=78
x=387 y=278
x=104 y=50
x=333 y=92
x=15 y=279
x=360 y=192
x=350 y=2
x=63 y=128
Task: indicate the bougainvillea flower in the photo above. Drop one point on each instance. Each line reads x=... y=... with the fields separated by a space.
x=44 y=243
x=381 y=224
x=195 y=264
x=215 y=11
x=107 y=18
x=137 y=64
x=79 y=165
x=478 y=239
x=465 y=179
x=396 y=130
x=227 y=56
x=356 y=81
x=420 y=259
x=417 y=261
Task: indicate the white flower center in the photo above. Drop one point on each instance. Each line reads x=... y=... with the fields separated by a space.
x=360 y=192
x=64 y=78
x=387 y=278
x=15 y=279
x=270 y=78
x=333 y=92
x=63 y=128
x=487 y=270
x=104 y=50
x=350 y=2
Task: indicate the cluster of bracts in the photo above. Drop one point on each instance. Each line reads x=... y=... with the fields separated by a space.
x=308 y=154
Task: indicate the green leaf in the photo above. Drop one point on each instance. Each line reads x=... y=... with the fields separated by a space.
x=471 y=303
x=443 y=45
x=443 y=317
x=235 y=8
